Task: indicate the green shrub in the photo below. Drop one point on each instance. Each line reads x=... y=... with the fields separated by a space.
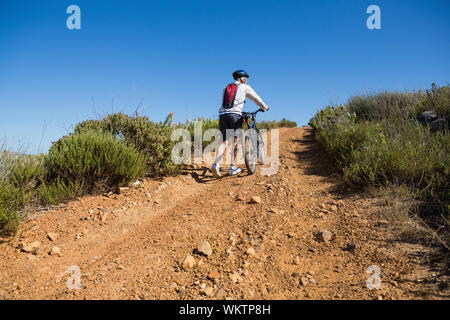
x=205 y=124
x=93 y=159
x=21 y=174
x=384 y=105
x=277 y=124
x=403 y=153
x=12 y=200
x=437 y=99
x=151 y=139
x=375 y=140
x=58 y=191
x=26 y=171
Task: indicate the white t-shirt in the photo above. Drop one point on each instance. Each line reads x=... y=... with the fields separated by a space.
x=243 y=91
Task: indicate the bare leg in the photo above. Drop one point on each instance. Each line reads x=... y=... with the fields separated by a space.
x=235 y=151
x=220 y=152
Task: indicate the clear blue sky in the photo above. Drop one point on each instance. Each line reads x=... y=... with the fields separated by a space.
x=178 y=55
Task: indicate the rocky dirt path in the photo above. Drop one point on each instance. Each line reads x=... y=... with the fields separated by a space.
x=191 y=237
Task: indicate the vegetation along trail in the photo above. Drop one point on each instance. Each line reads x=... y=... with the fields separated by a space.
x=245 y=237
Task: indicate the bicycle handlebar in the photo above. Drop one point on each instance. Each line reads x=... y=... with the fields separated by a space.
x=253 y=113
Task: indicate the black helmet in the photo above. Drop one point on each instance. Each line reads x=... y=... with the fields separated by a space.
x=240 y=74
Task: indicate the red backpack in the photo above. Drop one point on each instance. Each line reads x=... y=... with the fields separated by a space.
x=229 y=95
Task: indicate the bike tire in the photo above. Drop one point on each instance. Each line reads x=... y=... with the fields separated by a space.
x=250 y=159
x=261 y=153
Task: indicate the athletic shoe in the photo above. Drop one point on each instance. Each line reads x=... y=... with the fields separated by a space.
x=234 y=170
x=215 y=169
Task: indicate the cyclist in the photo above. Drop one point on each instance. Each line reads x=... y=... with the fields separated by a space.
x=230 y=117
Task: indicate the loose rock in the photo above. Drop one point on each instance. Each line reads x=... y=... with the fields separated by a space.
x=221 y=294
x=204 y=248
x=56 y=251
x=32 y=247
x=255 y=199
x=52 y=236
x=188 y=262
x=208 y=291
x=235 y=277
x=324 y=235
x=213 y=275
x=123 y=190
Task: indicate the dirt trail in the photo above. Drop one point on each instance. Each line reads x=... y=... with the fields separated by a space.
x=130 y=246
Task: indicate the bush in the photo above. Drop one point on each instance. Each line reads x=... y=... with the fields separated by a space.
x=21 y=174
x=375 y=140
x=9 y=208
x=384 y=105
x=437 y=99
x=205 y=124
x=402 y=153
x=58 y=191
x=151 y=139
x=93 y=159
x=277 y=124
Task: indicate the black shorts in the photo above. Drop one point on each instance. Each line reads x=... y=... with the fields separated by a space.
x=229 y=121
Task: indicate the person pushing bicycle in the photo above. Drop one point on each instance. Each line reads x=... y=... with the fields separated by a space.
x=230 y=116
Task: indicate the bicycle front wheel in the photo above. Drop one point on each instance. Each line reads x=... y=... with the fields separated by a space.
x=261 y=153
x=250 y=155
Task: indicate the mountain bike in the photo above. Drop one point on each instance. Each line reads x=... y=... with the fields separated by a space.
x=253 y=143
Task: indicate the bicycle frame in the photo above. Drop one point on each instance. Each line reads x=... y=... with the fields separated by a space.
x=252 y=116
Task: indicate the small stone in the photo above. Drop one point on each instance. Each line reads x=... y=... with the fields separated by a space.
x=204 y=248
x=235 y=277
x=304 y=281
x=137 y=184
x=208 y=291
x=255 y=199
x=221 y=294
x=241 y=198
x=188 y=262
x=323 y=235
x=52 y=236
x=56 y=251
x=32 y=247
x=296 y=261
x=213 y=275
x=291 y=235
x=123 y=190
x=333 y=208
x=250 y=252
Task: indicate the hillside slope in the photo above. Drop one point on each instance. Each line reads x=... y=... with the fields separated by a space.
x=131 y=246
